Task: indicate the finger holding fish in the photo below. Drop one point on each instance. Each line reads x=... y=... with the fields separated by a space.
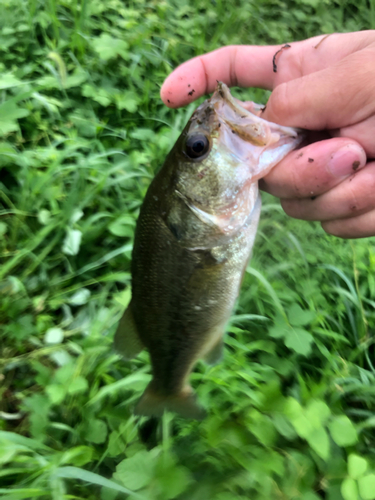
x=251 y=66
x=323 y=83
x=199 y=75
x=314 y=169
x=352 y=197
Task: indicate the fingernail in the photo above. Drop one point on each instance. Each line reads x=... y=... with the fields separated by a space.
x=347 y=160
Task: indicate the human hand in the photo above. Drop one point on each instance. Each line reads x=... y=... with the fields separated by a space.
x=325 y=84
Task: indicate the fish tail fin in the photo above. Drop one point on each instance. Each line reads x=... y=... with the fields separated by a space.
x=153 y=403
x=127 y=341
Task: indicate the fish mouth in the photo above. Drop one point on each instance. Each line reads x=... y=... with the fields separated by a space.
x=254 y=141
x=246 y=124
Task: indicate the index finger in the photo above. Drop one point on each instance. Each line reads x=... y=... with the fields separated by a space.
x=235 y=65
x=252 y=65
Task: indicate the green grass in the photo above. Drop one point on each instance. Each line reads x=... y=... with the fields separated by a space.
x=82 y=132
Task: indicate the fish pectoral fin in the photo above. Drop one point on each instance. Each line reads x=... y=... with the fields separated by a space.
x=215 y=355
x=127 y=341
x=154 y=403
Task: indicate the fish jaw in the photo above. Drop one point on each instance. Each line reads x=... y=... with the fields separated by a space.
x=255 y=142
x=250 y=126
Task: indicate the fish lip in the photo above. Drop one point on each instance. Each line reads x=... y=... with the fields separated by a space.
x=222 y=92
x=264 y=143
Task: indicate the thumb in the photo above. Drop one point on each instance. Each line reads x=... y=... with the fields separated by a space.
x=334 y=97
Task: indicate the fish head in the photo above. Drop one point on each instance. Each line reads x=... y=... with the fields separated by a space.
x=222 y=153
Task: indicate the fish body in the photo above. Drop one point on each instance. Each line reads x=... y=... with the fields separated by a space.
x=193 y=240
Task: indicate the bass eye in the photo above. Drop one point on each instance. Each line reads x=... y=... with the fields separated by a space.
x=196 y=146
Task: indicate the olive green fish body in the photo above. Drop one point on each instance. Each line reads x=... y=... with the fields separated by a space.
x=193 y=239
x=181 y=294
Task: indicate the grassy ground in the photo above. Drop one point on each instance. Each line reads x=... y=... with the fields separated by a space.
x=82 y=131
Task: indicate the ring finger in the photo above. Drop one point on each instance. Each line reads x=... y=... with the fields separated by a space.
x=361 y=226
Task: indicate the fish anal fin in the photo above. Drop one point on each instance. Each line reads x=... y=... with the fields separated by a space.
x=127 y=341
x=215 y=355
x=153 y=403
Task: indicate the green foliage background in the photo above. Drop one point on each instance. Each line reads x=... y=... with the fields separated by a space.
x=82 y=132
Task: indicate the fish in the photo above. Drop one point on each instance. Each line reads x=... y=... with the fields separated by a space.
x=193 y=240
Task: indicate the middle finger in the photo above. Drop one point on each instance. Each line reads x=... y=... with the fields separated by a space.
x=354 y=196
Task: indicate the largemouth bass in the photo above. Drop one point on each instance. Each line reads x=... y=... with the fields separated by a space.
x=193 y=240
